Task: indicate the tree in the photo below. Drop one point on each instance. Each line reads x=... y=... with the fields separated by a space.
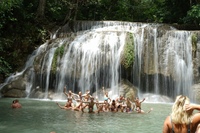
x=193 y=15
x=73 y=10
x=41 y=9
x=175 y=10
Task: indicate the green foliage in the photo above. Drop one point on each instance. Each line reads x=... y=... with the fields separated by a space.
x=194 y=39
x=128 y=54
x=175 y=10
x=42 y=34
x=152 y=11
x=6 y=11
x=193 y=15
x=194 y=42
x=58 y=53
x=5 y=67
x=56 y=10
x=20 y=32
x=6 y=5
x=122 y=10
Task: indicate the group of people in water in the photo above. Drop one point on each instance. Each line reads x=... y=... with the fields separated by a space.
x=84 y=101
x=182 y=119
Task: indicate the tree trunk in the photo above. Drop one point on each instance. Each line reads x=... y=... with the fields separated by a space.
x=76 y=10
x=72 y=14
x=41 y=9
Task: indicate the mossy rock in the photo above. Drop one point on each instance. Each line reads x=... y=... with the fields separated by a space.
x=128 y=53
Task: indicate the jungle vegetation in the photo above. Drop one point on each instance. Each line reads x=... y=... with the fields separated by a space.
x=25 y=24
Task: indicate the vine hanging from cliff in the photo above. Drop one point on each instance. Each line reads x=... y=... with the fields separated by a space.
x=59 y=52
x=128 y=54
x=194 y=45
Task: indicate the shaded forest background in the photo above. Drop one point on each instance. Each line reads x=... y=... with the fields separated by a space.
x=26 y=24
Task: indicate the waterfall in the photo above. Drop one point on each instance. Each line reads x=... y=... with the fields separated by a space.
x=180 y=44
x=28 y=65
x=47 y=64
x=91 y=59
x=169 y=55
x=86 y=55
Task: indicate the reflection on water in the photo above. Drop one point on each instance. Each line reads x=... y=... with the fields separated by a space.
x=45 y=116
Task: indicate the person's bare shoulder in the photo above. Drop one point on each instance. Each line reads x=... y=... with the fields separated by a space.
x=167 y=120
x=196 y=117
x=166 y=125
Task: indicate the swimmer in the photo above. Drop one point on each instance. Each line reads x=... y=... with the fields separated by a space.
x=69 y=105
x=16 y=104
x=113 y=107
x=69 y=94
x=129 y=105
x=80 y=104
x=182 y=118
x=106 y=97
x=100 y=108
x=87 y=96
x=120 y=102
x=90 y=105
x=106 y=106
x=138 y=110
x=138 y=104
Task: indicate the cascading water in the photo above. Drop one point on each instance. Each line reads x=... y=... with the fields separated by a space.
x=166 y=60
x=86 y=56
x=180 y=45
x=28 y=65
x=91 y=59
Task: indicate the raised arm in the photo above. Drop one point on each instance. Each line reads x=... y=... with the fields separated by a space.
x=142 y=100
x=86 y=102
x=64 y=91
x=110 y=100
x=60 y=106
x=192 y=107
x=103 y=90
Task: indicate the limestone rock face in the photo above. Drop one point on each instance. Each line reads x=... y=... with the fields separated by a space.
x=164 y=61
x=128 y=90
x=196 y=90
x=15 y=93
x=125 y=88
x=15 y=89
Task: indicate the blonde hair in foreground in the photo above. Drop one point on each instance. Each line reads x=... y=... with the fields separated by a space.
x=179 y=115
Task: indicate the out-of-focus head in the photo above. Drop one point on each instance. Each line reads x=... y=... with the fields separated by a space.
x=92 y=98
x=180 y=102
x=69 y=100
x=179 y=114
x=88 y=92
x=15 y=101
